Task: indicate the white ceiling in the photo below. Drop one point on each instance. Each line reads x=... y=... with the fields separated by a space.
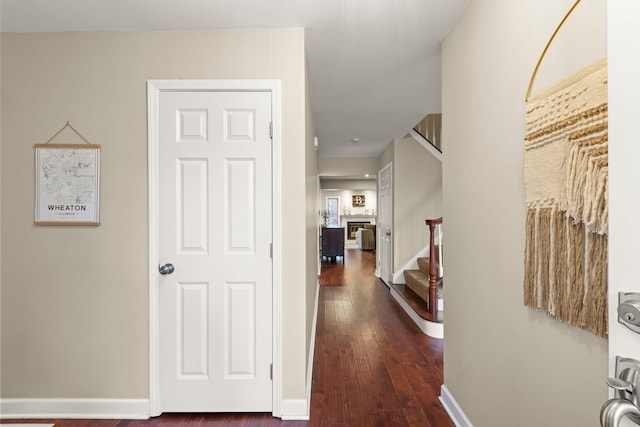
x=374 y=65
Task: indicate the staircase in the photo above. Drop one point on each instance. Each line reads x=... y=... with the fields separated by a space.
x=421 y=296
x=418 y=282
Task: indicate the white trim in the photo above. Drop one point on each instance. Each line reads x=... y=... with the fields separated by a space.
x=137 y=409
x=28 y=425
x=276 y=165
x=293 y=408
x=378 y=271
x=154 y=87
x=153 y=105
x=312 y=349
x=432 y=329
x=453 y=409
x=434 y=152
x=398 y=276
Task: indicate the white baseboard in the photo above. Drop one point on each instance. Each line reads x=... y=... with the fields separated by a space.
x=300 y=409
x=432 y=329
x=453 y=409
x=398 y=277
x=295 y=409
x=74 y=408
x=27 y=425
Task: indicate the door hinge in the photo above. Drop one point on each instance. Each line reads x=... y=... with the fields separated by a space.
x=271 y=250
x=271 y=372
x=271 y=130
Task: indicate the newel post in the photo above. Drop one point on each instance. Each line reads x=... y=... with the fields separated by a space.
x=433 y=268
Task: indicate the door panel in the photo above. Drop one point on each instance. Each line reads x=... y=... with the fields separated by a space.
x=215 y=223
x=624 y=174
x=240 y=301
x=193 y=211
x=240 y=214
x=193 y=330
x=384 y=225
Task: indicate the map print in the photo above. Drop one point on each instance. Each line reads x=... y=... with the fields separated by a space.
x=67 y=187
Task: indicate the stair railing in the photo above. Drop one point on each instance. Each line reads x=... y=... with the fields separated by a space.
x=435 y=264
x=429 y=129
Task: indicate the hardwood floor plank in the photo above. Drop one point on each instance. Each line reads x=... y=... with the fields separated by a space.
x=372 y=365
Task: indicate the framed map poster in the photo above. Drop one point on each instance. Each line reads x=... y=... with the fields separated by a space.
x=67 y=184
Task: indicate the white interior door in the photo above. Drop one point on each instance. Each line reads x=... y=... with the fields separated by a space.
x=624 y=173
x=215 y=220
x=384 y=222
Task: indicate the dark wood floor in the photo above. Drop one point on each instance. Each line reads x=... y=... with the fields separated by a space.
x=372 y=366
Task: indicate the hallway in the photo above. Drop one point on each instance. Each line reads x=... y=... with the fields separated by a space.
x=372 y=366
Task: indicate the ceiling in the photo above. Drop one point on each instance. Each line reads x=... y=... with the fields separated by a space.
x=374 y=65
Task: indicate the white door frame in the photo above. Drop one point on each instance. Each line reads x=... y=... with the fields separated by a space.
x=378 y=271
x=154 y=88
x=624 y=175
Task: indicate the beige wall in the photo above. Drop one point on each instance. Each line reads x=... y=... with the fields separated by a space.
x=346 y=200
x=417 y=196
x=385 y=157
x=506 y=364
x=348 y=184
x=312 y=235
x=347 y=166
x=0 y=221
x=75 y=300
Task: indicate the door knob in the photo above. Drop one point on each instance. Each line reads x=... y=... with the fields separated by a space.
x=620 y=385
x=166 y=269
x=614 y=410
x=625 y=402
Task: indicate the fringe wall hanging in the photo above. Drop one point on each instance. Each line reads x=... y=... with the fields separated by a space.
x=565 y=179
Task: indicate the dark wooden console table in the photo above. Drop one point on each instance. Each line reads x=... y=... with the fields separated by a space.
x=333 y=243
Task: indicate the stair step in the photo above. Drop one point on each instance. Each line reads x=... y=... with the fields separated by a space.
x=418 y=282
x=423 y=264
